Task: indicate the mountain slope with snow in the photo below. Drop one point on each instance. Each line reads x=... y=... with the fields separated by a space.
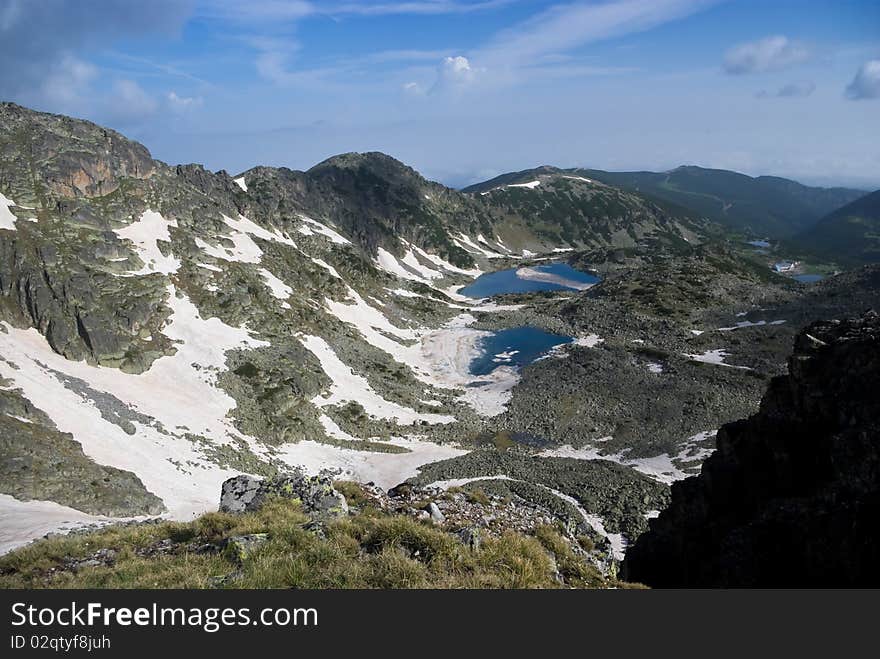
x=165 y=327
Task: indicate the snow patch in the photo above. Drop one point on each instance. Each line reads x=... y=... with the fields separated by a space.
x=7 y=218
x=714 y=357
x=347 y=386
x=24 y=521
x=446 y=265
x=384 y=469
x=320 y=228
x=663 y=468
x=460 y=482
x=588 y=341
x=144 y=234
x=748 y=323
x=467 y=244
x=178 y=391
x=531 y=185
x=278 y=288
x=409 y=259
x=244 y=249
x=389 y=263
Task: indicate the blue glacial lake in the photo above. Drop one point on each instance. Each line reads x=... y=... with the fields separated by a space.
x=809 y=279
x=516 y=347
x=759 y=243
x=551 y=277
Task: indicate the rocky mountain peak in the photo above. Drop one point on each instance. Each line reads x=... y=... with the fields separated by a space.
x=68 y=157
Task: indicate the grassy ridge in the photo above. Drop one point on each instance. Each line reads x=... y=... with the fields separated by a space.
x=369 y=549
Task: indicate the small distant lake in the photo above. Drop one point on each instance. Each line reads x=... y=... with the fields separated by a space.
x=550 y=277
x=759 y=243
x=518 y=347
x=809 y=279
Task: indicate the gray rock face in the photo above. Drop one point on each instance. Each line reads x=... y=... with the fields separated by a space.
x=316 y=494
x=238 y=494
x=790 y=498
x=75 y=158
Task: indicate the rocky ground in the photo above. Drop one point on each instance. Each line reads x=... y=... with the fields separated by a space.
x=791 y=495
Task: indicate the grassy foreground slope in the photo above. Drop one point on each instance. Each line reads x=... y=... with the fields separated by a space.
x=370 y=549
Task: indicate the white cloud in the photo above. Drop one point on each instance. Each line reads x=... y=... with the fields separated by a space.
x=67 y=81
x=183 y=103
x=457 y=68
x=565 y=27
x=768 y=54
x=274 y=57
x=455 y=74
x=866 y=84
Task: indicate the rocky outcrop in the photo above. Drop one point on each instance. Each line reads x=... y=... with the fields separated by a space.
x=70 y=157
x=38 y=462
x=791 y=497
x=316 y=494
x=373 y=199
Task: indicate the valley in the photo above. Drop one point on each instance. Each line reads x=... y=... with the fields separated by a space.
x=548 y=339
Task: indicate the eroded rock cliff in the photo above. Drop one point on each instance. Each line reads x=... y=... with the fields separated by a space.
x=791 y=497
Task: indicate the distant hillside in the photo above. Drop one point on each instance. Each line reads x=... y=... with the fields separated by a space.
x=766 y=205
x=850 y=234
x=563 y=207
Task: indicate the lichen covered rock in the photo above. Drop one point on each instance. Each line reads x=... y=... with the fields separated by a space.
x=315 y=494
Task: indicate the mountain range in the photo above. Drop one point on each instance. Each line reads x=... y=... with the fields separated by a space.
x=164 y=328
x=766 y=206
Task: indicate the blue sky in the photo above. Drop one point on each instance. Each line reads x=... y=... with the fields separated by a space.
x=463 y=90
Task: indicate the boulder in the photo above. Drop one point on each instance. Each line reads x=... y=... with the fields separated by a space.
x=240 y=547
x=436 y=516
x=316 y=494
x=470 y=537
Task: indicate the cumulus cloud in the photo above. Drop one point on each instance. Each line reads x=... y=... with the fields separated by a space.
x=457 y=69
x=768 y=54
x=455 y=74
x=866 y=84
x=791 y=90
